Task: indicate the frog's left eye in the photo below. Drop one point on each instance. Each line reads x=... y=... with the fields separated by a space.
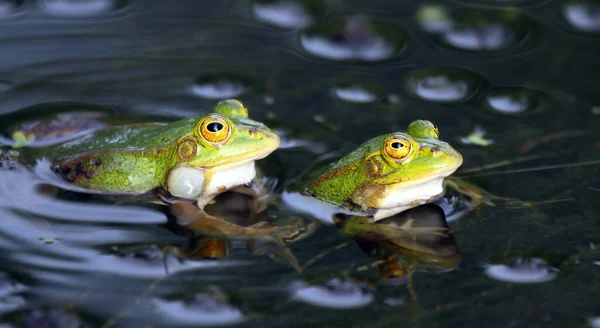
x=215 y=129
x=398 y=147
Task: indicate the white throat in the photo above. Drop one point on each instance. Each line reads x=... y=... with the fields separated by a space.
x=203 y=184
x=403 y=197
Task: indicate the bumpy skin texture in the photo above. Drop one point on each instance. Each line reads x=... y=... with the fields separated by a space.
x=137 y=158
x=368 y=170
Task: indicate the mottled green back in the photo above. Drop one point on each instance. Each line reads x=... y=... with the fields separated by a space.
x=128 y=138
x=126 y=159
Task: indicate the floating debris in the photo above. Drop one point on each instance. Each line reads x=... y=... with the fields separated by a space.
x=477 y=137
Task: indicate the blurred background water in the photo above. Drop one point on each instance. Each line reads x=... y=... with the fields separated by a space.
x=501 y=79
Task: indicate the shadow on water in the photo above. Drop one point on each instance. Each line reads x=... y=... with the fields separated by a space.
x=503 y=80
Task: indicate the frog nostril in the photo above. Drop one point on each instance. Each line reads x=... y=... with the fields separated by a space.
x=434 y=150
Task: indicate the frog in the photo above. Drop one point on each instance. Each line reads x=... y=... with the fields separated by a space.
x=194 y=158
x=384 y=176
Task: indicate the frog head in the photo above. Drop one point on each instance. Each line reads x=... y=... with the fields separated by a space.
x=390 y=173
x=219 y=153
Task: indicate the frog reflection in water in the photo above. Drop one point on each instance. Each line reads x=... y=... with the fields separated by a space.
x=384 y=176
x=195 y=158
x=415 y=240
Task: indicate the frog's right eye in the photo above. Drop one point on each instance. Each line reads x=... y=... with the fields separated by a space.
x=423 y=129
x=215 y=129
x=434 y=129
x=232 y=108
x=398 y=147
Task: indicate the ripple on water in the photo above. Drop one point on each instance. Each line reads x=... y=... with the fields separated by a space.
x=288 y=13
x=79 y=8
x=200 y=310
x=335 y=293
x=476 y=30
x=4 y=85
x=8 y=7
x=357 y=93
x=443 y=84
x=10 y=298
x=354 y=38
x=51 y=123
x=517 y=100
x=582 y=15
x=220 y=86
x=522 y=271
x=51 y=318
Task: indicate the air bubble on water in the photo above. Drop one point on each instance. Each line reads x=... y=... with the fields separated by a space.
x=216 y=87
x=434 y=18
x=201 y=310
x=533 y=270
x=517 y=100
x=474 y=29
x=78 y=8
x=354 y=38
x=583 y=15
x=355 y=93
x=442 y=84
x=335 y=293
x=286 y=13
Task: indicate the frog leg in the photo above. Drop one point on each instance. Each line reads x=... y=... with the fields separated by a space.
x=477 y=195
x=215 y=248
x=199 y=221
x=480 y=196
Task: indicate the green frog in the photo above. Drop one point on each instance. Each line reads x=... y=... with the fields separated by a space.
x=194 y=158
x=384 y=176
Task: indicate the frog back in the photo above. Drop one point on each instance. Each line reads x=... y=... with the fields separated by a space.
x=126 y=159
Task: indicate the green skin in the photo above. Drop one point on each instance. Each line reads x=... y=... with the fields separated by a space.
x=369 y=170
x=138 y=158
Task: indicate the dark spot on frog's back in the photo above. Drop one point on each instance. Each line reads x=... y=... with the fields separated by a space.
x=79 y=168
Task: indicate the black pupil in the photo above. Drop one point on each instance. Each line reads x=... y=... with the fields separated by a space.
x=397 y=145
x=214 y=127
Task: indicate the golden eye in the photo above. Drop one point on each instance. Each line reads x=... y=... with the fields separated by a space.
x=215 y=129
x=397 y=147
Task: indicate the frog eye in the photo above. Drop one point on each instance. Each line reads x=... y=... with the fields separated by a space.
x=422 y=129
x=215 y=128
x=434 y=129
x=231 y=108
x=398 y=147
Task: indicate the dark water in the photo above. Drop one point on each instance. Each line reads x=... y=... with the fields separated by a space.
x=328 y=75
